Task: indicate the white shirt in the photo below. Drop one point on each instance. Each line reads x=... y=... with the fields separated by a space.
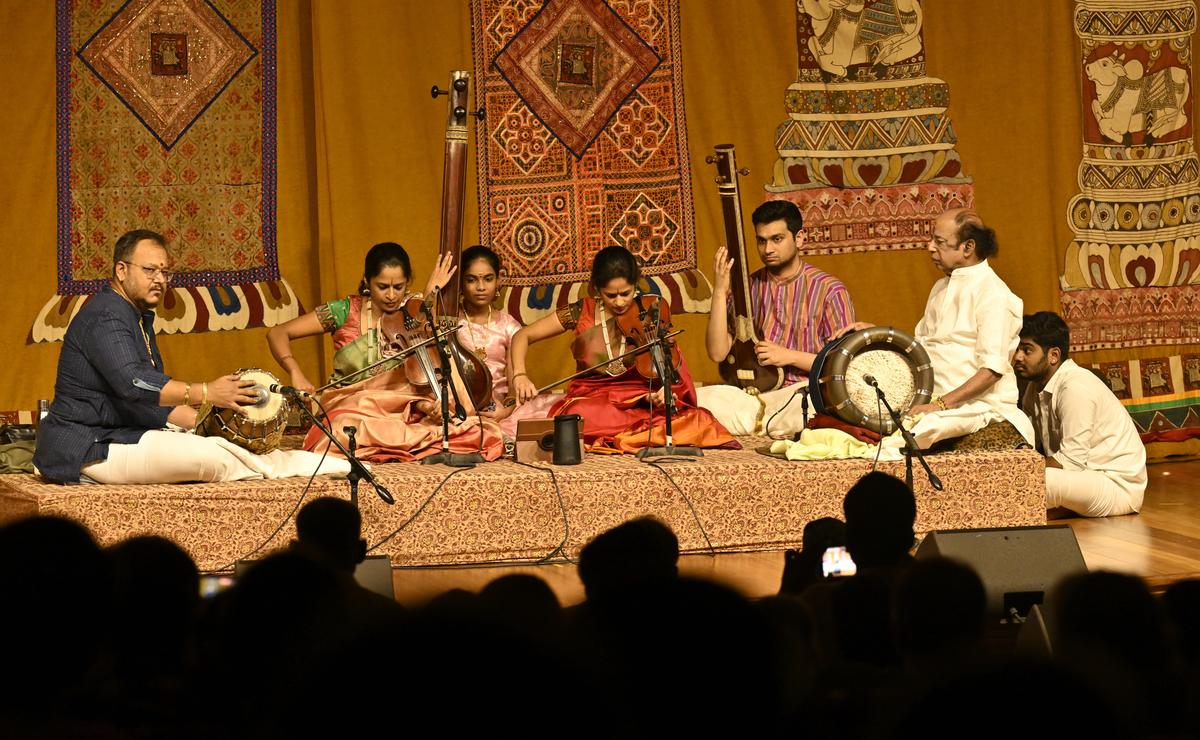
x=972 y=321
x=1082 y=425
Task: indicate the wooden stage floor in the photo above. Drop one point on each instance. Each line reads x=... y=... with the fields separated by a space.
x=1161 y=544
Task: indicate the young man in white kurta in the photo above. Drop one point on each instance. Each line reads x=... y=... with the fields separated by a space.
x=1095 y=460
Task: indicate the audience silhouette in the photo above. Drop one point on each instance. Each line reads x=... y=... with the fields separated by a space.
x=118 y=643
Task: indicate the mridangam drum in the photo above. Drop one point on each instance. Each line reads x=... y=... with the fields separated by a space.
x=260 y=427
x=899 y=364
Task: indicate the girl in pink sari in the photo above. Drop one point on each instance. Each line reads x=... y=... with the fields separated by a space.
x=488 y=333
x=621 y=410
x=394 y=420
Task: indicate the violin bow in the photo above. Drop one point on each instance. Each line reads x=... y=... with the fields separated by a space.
x=390 y=358
x=599 y=365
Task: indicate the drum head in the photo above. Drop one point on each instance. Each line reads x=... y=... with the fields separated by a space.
x=899 y=364
x=258 y=428
x=275 y=403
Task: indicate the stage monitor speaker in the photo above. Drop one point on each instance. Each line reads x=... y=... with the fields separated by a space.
x=373 y=574
x=1017 y=565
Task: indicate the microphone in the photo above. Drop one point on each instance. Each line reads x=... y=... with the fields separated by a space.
x=261 y=396
x=870 y=379
x=287 y=390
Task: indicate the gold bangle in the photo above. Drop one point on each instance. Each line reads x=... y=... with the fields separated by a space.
x=941 y=403
x=204 y=400
x=285 y=357
x=520 y=375
x=187 y=394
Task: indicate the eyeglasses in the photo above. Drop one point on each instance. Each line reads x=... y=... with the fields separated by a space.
x=153 y=272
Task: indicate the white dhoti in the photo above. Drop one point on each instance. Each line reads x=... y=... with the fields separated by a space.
x=175 y=457
x=966 y=419
x=778 y=413
x=1090 y=493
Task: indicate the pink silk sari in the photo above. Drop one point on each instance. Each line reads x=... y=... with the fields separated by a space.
x=383 y=408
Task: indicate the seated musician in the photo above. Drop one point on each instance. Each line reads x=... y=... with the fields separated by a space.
x=970 y=331
x=621 y=410
x=796 y=309
x=488 y=333
x=1095 y=460
x=113 y=397
x=394 y=418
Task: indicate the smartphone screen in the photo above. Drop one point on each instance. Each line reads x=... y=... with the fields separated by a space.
x=836 y=562
x=212 y=584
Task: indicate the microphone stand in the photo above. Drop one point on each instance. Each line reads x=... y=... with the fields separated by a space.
x=358 y=471
x=666 y=372
x=352 y=445
x=444 y=373
x=910 y=444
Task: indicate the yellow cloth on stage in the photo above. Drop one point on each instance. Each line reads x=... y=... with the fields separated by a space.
x=834 y=444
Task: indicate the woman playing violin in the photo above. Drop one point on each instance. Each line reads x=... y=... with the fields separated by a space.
x=395 y=419
x=622 y=410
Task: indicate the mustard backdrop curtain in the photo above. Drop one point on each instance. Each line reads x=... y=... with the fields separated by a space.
x=360 y=156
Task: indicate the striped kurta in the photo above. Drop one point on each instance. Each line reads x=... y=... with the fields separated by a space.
x=800 y=313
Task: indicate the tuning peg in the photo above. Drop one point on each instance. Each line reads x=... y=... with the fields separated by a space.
x=436 y=91
x=710 y=159
x=744 y=171
x=460 y=84
x=479 y=114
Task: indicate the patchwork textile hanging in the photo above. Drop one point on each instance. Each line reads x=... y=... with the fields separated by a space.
x=584 y=144
x=166 y=121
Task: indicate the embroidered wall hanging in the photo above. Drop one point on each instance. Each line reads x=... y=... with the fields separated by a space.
x=166 y=121
x=585 y=142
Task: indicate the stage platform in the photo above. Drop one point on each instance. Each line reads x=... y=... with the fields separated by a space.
x=729 y=501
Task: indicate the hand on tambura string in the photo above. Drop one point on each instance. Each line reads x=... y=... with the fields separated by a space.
x=231 y=392
x=523 y=388
x=442 y=272
x=770 y=353
x=722 y=266
x=851 y=328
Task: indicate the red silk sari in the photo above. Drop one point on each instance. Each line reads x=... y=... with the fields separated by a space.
x=617 y=415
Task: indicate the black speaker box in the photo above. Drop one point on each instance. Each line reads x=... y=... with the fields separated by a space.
x=1018 y=565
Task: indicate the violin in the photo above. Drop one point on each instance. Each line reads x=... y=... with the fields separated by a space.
x=648 y=322
x=408 y=327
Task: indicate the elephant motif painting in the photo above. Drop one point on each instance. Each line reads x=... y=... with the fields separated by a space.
x=1129 y=101
x=847 y=33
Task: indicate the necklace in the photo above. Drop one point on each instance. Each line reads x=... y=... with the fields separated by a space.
x=480 y=348
x=141 y=326
x=372 y=334
x=616 y=367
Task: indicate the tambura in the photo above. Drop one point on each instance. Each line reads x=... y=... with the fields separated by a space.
x=260 y=427
x=899 y=364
